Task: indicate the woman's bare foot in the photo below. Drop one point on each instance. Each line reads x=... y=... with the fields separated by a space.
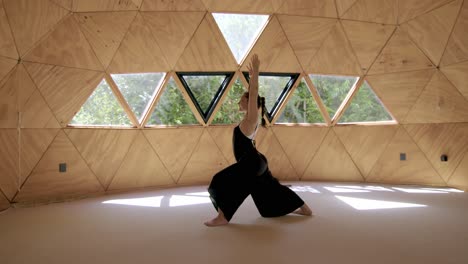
x=303 y=210
x=218 y=220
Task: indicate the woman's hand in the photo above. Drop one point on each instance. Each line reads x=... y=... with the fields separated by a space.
x=254 y=65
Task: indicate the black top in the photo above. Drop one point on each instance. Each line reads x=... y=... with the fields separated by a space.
x=241 y=144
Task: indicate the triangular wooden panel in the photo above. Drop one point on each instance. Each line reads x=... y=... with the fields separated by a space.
x=175 y=159
x=400 y=54
x=278 y=161
x=139 y=51
x=207 y=50
x=459 y=178
x=274 y=50
x=24 y=86
x=141 y=168
x=440 y=102
x=103 y=150
x=37 y=114
x=335 y=56
x=409 y=9
x=34 y=143
x=223 y=139
x=458 y=76
x=67 y=4
x=173 y=31
x=205 y=162
x=105 y=31
x=306 y=34
x=174 y=5
x=378 y=11
x=105 y=5
x=6 y=65
x=64 y=89
x=31 y=20
x=46 y=182
x=332 y=162
x=431 y=31
x=365 y=144
x=367 y=40
x=7 y=44
x=9 y=178
x=343 y=6
x=300 y=144
x=438 y=139
x=400 y=91
x=457 y=47
x=8 y=102
x=4 y=203
x=243 y=6
x=416 y=169
x=319 y=8
x=65 y=46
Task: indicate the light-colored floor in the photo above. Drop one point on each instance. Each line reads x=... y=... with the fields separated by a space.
x=165 y=226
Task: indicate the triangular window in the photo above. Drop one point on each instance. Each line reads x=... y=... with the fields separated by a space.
x=205 y=89
x=301 y=107
x=240 y=31
x=171 y=108
x=138 y=89
x=101 y=109
x=229 y=112
x=365 y=107
x=274 y=87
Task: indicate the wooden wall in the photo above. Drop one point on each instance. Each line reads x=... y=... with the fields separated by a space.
x=53 y=53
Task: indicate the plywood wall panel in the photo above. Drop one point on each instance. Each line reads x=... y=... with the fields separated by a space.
x=47 y=183
x=174 y=5
x=207 y=50
x=343 y=6
x=7 y=44
x=105 y=5
x=6 y=65
x=67 y=4
x=459 y=178
x=457 y=74
x=335 y=56
x=102 y=149
x=65 y=46
x=306 y=34
x=432 y=30
x=34 y=143
x=416 y=169
x=173 y=31
x=440 y=102
x=438 y=139
x=223 y=139
x=64 y=89
x=319 y=8
x=105 y=31
x=8 y=102
x=4 y=203
x=365 y=144
x=399 y=55
x=9 y=158
x=367 y=40
x=243 y=6
x=400 y=91
x=206 y=160
x=31 y=20
x=378 y=11
x=409 y=9
x=332 y=163
x=174 y=147
x=300 y=144
x=141 y=167
x=37 y=114
x=139 y=51
x=457 y=47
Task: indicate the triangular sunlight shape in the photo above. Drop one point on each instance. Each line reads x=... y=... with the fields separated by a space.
x=205 y=89
x=138 y=89
x=365 y=107
x=274 y=87
x=333 y=89
x=171 y=108
x=368 y=204
x=229 y=112
x=181 y=200
x=240 y=31
x=301 y=107
x=146 y=201
x=101 y=109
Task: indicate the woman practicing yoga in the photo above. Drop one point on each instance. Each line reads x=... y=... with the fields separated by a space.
x=250 y=175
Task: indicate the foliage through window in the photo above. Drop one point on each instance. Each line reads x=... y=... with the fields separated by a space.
x=101 y=109
x=229 y=110
x=301 y=107
x=172 y=109
x=240 y=31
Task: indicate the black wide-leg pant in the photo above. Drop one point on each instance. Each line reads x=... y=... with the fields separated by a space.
x=250 y=175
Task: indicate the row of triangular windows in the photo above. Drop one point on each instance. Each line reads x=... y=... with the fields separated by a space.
x=147 y=93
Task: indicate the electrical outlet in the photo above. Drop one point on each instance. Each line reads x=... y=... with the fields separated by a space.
x=402 y=156
x=62 y=167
